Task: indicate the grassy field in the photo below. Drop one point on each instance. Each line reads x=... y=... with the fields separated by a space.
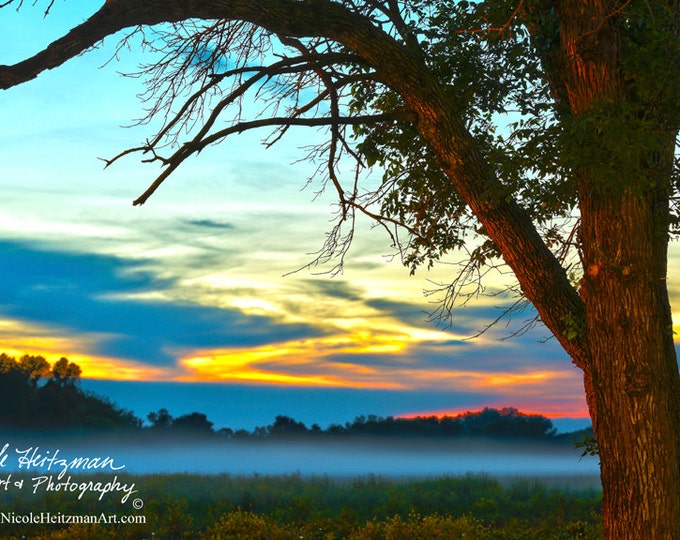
x=181 y=506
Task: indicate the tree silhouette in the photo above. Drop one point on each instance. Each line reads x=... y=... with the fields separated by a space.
x=286 y=426
x=532 y=133
x=508 y=422
x=194 y=423
x=161 y=419
x=35 y=395
x=16 y=395
x=35 y=367
x=65 y=373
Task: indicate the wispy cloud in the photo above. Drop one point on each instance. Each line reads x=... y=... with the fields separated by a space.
x=123 y=321
x=209 y=224
x=103 y=299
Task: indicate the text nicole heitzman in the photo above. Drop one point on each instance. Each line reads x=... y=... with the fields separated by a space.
x=32 y=458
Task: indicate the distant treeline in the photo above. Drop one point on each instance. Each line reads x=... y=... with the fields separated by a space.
x=37 y=395
x=506 y=423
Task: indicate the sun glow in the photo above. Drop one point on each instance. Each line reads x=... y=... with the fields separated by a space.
x=565 y=410
x=234 y=368
x=319 y=362
x=375 y=360
x=19 y=338
x=377 y=354
x=509 y=379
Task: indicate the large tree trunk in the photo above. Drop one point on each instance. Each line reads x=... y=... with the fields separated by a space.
x=632 y=381
x=631 y=376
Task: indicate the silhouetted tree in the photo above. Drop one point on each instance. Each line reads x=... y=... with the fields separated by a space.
x=226 y=432
x=65 y=373
x=101 y=414
x=286 y=426
x=194 y=423
x=35 y=367
x=508 y=422
x=17 y=396
x=161 y=419
x=58 y=404
x=241 y=434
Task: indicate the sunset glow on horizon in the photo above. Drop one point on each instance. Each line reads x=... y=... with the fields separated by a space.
x=315 y=363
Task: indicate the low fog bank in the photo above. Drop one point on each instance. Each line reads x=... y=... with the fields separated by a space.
x=337 y=458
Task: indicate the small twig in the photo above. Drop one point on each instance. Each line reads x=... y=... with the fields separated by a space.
x=498 y=29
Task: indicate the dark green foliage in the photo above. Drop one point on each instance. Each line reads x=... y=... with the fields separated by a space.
x=499 y=61
x=290 y=507
x=588 y=443
x=495 y=80
x=195 y=423
x=507 y=422
x=161 y=419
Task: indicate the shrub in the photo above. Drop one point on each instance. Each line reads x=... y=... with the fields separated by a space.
x=433 y=527
x=242 y=525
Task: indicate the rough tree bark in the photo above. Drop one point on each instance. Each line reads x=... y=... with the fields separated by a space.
x=624 y=344
x=631 y=377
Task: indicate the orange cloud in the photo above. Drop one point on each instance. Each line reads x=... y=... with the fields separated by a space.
x=306 y=362
x=342 y=361
x=383 y=356
x=19 y=338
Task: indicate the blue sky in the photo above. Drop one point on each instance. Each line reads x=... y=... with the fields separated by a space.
x=188 y=302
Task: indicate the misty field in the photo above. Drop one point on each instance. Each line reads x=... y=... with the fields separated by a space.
x=287 y=507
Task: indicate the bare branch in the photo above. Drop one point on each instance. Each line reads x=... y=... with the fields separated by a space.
x=195 y=146
x=21 y=3
x=8 y=2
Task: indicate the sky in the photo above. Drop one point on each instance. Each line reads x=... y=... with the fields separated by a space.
x=191 y=302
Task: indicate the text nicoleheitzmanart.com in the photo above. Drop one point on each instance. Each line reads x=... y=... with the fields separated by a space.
x=33 y=459
x=49 y=518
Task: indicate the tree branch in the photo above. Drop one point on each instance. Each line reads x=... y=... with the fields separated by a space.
x=195 y=146
x=398 y=66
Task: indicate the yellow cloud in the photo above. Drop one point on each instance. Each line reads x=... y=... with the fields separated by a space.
x=303 y=362
x=234 y=367
x=510 y=379
x=341 y=360
x=19 y=338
